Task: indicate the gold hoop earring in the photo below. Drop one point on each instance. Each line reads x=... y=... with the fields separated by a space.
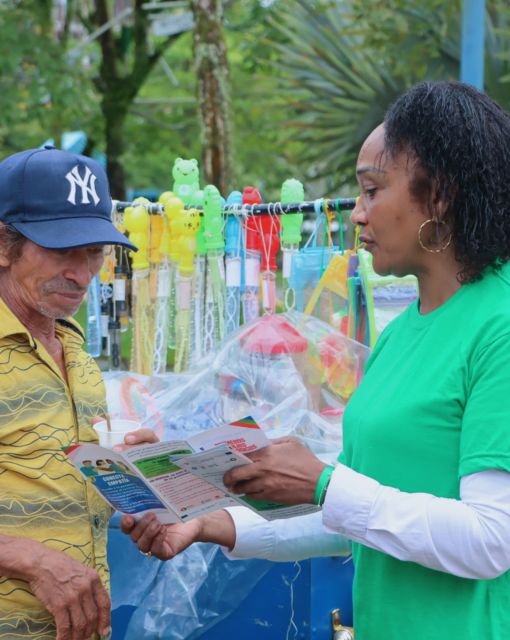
x=438 y=223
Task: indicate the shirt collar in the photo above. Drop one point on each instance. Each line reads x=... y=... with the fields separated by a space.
x=10 y=325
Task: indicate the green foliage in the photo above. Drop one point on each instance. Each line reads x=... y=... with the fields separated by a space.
x=310 y=79
x=497 y=59
x=41 y=94
x=343 y=63
x=411 y=36
x=265 y=154
x=337 y=90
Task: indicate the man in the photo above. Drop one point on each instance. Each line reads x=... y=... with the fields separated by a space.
x=55 y=219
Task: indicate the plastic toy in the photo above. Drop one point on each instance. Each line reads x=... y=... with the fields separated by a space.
x=292 y=191
x=214 y=321
x=252 y=257
x=186 y=185
x=186 y=227
x=233 y=264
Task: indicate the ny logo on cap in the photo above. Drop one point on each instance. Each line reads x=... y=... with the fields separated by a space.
x=86 y=184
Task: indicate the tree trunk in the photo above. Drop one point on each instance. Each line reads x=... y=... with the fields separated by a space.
x=118 y=82
x=210 y=54
x=114 y=139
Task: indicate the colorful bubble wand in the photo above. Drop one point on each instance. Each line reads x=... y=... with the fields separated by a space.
x=233 y=266
x=214 y=320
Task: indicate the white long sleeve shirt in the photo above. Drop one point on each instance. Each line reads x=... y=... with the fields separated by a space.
x=469 y=537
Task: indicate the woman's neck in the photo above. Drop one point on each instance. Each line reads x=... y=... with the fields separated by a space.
x=438 y=282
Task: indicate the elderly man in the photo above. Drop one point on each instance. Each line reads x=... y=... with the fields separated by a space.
x=55 y=219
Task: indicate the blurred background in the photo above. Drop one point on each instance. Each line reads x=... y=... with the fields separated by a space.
x=256 y=90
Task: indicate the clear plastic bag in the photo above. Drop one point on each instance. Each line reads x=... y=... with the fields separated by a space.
x=294 y=374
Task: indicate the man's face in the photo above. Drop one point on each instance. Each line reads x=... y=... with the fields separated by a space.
x=53 y=282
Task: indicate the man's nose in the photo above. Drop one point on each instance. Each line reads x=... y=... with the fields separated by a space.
x=80 y=267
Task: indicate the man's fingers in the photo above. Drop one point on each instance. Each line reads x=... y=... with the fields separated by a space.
x=63 y=623
x=141 y=436
x=77 y=618
x=138 y=437
x=103 y=604
x=90 y=613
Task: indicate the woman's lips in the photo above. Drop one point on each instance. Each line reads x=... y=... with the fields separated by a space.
x=369 y=243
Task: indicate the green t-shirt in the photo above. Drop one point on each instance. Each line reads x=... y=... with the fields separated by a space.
x=433 y=406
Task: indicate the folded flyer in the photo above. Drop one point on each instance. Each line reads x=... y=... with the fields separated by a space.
x=179 y=479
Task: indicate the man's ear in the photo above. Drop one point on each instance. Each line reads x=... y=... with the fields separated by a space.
x=4 y=257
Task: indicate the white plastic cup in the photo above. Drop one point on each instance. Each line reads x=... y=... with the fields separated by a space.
x=119 y=428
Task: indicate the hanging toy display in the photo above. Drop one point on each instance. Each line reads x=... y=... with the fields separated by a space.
x=198 y=305
x=250 y=302
x=172 y=207
x=186 y=185
x=186 y=227
x=292 y=191
x=214 y=327
x=269 y=243
x=162 y=321
x=202 y=271
x=233 y=265
x=136 y=220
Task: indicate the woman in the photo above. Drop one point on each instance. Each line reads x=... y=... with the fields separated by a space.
x=422 y=488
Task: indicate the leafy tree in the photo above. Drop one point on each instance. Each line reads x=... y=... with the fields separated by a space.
x=36 y=98
x=127 y=59
x=344 y=63
x=164 y=120
x=213 y=83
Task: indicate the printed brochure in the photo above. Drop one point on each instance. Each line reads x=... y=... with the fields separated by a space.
x=179 y=479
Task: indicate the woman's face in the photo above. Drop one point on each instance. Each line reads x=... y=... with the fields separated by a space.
x=389 y=216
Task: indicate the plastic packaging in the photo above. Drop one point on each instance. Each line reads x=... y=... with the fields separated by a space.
x=294 y=374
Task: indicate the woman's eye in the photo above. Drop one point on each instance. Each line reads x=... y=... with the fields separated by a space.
x=370 y=192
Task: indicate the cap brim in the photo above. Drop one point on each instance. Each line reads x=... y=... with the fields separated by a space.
x=72 y=233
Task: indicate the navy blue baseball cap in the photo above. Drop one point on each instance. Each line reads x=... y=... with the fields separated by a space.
x=57 y=199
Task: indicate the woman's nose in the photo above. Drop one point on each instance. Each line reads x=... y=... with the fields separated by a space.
x=358 y=214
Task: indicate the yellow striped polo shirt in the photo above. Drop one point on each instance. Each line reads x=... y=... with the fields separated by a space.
x=42 y=496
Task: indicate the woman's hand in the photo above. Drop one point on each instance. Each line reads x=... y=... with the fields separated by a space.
x=166 y=541
x=285 y=472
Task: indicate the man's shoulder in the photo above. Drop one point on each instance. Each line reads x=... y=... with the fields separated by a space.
x=9 y=323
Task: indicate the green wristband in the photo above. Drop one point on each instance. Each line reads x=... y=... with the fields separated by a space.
x=322 y=485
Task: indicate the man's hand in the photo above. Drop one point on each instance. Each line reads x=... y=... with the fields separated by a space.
x=166 y=541
x=134 y=438
x=284 y=472
x=72 y=593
